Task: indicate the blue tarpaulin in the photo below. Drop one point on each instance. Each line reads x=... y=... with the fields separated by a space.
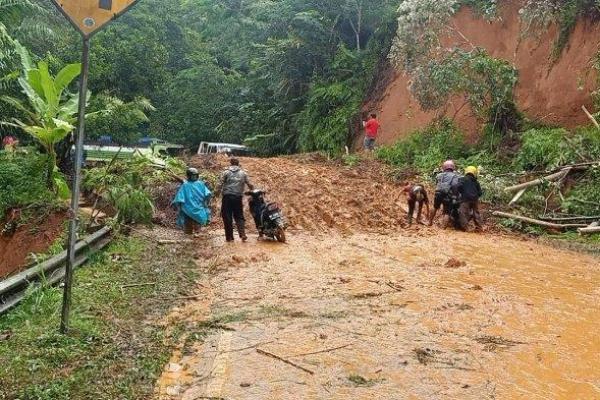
x=192 y=199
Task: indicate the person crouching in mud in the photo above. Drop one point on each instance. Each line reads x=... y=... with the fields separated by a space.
x=191 y=201
x=446 y=191
x=417 y=195
x=470 y=192
x=233 y=182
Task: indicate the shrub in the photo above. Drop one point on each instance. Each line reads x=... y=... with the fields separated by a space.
x=426 y=149
x=325 y=121
x=126 y=186
x=546 y=148
x=584 y=198
x=543 y=148
x=23 y=180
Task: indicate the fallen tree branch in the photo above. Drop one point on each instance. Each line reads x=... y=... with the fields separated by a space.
x=577 y=167
x=266 y=353
x=396 y=288
x=537 y=221
x=550 y=178
x=590 y=116
x=559 y=219
x=517 y=197
x=323 y=351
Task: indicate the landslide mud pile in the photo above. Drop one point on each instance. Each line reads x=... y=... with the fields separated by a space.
x=318 y=195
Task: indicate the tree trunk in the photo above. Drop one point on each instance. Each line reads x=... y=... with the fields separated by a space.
x=50 y=170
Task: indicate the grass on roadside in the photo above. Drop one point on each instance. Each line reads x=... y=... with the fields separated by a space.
x=116 y=349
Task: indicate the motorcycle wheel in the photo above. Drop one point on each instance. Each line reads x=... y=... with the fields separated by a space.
x=280 y=235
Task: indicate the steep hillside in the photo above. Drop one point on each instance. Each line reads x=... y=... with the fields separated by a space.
x=549 y=91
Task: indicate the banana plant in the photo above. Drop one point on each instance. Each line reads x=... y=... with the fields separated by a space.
x=50 y=110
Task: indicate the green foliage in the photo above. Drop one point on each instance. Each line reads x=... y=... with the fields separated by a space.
x=125 y=186
x=22 y=180
x=351 y=160
x=121 y=120
x=545 y=148
x=538 y=14
x=584 y=198
x=231 y=71
x=50 y=113
x=484 y=8
x=331 y=113
x=425 y=149
x=99 y=359
x=420 y=23
x=196 y=99
x=486 y=82
x=326 y=120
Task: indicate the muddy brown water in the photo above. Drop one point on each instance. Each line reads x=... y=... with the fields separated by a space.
x=412 y=315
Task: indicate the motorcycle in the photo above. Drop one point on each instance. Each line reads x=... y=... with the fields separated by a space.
x=268 y=217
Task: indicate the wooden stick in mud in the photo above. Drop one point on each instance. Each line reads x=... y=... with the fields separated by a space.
x=396 y=288
x=266 y=353
x=174 y=241
x=323 y=351
x=537 y=221
x=138 y=285
x=550 y=178
x=590 y=116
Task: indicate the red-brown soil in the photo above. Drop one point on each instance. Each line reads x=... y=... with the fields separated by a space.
x=30 y=238
x=551 y=92
x=318 y=195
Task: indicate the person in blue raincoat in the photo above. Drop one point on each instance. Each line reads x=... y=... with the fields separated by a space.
x=192 y=201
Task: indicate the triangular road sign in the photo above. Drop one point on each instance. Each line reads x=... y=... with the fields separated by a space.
x=88 y=16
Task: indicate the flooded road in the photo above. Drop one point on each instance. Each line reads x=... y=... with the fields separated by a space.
x=413 y=315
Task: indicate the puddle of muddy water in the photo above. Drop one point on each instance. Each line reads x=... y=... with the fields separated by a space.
x=388 y=317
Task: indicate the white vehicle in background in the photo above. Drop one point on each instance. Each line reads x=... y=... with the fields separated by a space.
x=223 y=148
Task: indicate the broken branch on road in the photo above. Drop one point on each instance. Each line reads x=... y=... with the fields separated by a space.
x=324 y=351
x=266 y=353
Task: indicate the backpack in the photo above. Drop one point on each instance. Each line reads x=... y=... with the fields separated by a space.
x=446 y=182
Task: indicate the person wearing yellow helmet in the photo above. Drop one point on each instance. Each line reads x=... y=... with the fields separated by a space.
x=472 y=170
x=470 y=192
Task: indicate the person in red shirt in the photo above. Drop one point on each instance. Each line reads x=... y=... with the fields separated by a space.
x=10 y=143
x=371 y=129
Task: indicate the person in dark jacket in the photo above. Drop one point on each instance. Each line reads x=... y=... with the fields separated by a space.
x=233 y=182
x=470 y=192
x=446 y=191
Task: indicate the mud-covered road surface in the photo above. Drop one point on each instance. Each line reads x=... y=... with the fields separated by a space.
x=414 y=315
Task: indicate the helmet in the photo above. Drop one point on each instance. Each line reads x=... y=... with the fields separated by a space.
x=449 y=165
x=192 y=174
x=472 y=170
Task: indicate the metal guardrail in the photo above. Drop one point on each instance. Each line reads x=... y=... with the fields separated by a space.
x=50 y=272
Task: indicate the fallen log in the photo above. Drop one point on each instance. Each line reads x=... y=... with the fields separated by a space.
x=589 y=230
x=559 y=219
x=537 y=221
x=550 y=178
x=517 y=197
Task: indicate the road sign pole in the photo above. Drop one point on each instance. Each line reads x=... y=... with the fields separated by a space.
x=74 y=221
